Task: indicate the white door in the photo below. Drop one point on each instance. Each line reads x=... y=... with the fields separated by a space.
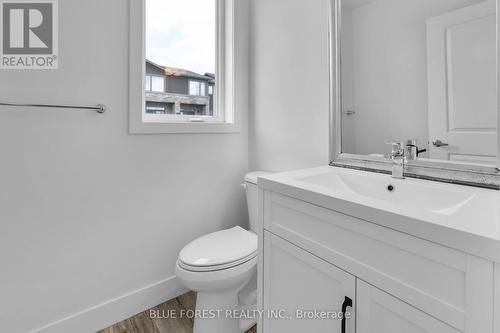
x=379 y=312
x=461 y=61
x=296 y=281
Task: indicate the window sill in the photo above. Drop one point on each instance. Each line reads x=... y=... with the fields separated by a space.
x=184 y=127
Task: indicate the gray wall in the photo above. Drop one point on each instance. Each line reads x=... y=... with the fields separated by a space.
x=89 y=213
x=289 y=84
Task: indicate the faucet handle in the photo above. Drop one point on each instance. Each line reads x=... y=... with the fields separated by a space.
x=397 y=150
x=396 y=146
x=413 y=150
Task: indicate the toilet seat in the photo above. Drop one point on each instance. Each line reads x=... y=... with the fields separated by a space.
x=216 y=267
x=219 y=250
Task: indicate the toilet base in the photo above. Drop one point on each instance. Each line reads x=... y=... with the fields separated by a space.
x=218 y=304
x=219 y=292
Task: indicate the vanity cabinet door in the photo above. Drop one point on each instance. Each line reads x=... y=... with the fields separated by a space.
x=296 y=281
x=379 y=312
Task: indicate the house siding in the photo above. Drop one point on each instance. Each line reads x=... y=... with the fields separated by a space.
x=176 y=95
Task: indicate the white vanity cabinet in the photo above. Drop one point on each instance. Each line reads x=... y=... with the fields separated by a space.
x=313 y=257
x=298 y=283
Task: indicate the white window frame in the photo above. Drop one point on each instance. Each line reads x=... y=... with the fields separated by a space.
x=231 y=75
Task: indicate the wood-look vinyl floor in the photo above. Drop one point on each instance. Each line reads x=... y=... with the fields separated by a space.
x=142 y=323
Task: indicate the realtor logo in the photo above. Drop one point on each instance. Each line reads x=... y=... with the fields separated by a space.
x=28 y=38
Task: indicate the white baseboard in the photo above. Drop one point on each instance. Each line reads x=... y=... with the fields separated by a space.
x=115 y=310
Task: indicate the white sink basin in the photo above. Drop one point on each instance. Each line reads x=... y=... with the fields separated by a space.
x=466 y=209
x=422 y=195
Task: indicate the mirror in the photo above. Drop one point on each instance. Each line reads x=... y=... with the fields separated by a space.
x=418 y=69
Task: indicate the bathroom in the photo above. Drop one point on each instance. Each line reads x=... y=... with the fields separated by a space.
x=97 y=202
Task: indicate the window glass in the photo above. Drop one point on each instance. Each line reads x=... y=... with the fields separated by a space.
x=181 y=40
x=155 y=109
x=158 y=83
x=194 y=88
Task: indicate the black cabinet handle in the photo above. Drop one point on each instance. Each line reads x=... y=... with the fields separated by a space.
x=347 y=303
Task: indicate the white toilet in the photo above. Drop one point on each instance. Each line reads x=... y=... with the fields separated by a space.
x=221 y=267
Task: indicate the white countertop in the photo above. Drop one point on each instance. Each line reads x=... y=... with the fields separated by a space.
x=461 y=217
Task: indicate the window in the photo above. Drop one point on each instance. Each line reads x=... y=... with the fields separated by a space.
x=197 y=88
x=181 y=41
x=158 y=83
x=193 y=109
x=194 y=88
x=159 y=108
x=187 y=48
x=154 y=83
x=155 y=109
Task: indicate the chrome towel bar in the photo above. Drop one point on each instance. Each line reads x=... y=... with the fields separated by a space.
x=100 y=108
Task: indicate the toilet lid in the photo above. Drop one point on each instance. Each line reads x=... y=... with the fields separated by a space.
x=220 y=249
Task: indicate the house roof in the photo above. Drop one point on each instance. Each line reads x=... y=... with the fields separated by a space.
x=172 y=71
x=211 y=76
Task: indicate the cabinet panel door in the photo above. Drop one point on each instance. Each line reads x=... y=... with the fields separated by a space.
x=297 y=281
x=379 y=312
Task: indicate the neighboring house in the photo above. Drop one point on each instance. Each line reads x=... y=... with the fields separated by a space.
x=178 y=91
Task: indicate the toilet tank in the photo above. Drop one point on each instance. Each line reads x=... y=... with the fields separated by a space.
x=252 y=198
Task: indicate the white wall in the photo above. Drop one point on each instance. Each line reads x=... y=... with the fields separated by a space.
x=89 y=213
x=289 y=84
x=389 y=70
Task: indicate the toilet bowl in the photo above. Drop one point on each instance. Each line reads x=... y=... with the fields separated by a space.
x=221 y=267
